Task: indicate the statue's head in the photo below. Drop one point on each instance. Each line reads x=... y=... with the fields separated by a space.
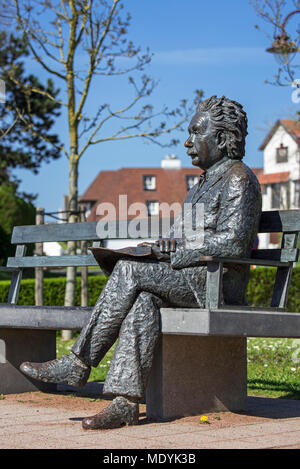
x=218 y=129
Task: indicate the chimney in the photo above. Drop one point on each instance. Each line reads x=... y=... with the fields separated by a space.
x=171 y=162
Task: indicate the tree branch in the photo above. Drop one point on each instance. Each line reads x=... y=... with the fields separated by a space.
x=35 y=54
x=93 y=60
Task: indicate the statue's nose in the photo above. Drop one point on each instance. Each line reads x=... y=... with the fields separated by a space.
x=188 y=143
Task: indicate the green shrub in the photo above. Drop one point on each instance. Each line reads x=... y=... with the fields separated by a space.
x=14 y=211
x=54 y=290
x=259 y=289
x=261 y=284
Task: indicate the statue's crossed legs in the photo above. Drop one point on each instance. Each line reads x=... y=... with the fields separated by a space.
x=128 y=309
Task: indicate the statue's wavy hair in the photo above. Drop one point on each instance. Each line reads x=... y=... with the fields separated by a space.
x=229 y=118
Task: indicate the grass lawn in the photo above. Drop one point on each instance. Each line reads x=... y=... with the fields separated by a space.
x=97 y=374
x=273 y=366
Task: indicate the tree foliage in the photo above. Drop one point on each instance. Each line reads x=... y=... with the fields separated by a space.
x=26 y=117
x=14 y=211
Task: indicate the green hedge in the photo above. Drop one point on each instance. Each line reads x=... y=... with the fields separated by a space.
x=261 y=285
x=54 y=290
x=259 y=289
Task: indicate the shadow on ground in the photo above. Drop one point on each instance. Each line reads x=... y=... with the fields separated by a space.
x=287 y=390
x=266 y=407
x=272 y=408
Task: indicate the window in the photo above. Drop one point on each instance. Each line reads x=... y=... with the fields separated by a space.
x=191 y=181
x=281 y=154
x=152 y=207
x=149 y=183
x=275 y=195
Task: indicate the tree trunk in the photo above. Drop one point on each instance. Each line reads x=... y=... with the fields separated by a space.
x=73 y=171
x=73 y=218
x=39 y=275
x=84 y=270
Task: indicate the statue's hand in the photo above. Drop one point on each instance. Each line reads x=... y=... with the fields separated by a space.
x=161 y=248
x=166 y=245
x=146 y=243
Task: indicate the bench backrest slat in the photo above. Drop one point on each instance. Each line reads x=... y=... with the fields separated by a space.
x=52 y=261
x=279 y=221
x=54 y=232
x=89 y=231
x=271 y=222
x=282 y=255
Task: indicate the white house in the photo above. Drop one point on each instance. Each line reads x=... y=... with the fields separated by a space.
x=52 y=249
x=280 y=179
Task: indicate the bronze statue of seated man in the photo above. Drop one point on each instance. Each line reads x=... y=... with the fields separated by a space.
x=128 y=307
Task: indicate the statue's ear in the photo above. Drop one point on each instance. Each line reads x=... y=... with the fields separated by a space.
x=221 y=140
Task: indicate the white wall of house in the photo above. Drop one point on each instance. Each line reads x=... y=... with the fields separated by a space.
x=289 y=199
x=123 y=243
x=292 y=165
x=52 y=249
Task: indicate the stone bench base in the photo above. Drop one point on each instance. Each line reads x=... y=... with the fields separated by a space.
x=17 y=346
x=197 y=374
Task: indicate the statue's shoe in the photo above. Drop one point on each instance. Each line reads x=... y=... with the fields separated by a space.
x=118 y=413
x=68 y=369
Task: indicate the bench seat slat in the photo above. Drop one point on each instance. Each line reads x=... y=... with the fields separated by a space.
x=183 y=321
x=43 y=317
x=52 y=261
x=193 y=321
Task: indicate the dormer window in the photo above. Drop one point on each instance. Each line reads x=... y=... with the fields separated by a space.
x=191 y=181
x=281 y=154
x=149 y=183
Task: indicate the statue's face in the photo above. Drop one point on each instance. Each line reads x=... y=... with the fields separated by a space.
x=202 y=145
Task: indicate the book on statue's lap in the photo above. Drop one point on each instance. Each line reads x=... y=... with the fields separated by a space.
x=107 y=258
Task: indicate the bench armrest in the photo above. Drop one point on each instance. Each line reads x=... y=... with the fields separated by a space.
x=14 y=284
x=214 y=289
x=237 y=260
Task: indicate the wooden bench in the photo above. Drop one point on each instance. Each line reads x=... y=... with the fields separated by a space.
x=200 y=364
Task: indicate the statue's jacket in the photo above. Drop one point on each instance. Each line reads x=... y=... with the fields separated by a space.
x=231 y=205
x=129 y=305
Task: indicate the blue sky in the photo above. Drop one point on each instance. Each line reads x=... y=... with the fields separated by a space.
x=197 y=44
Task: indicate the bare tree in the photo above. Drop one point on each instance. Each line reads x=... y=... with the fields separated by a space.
x=77 y=41
x=277 y=15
